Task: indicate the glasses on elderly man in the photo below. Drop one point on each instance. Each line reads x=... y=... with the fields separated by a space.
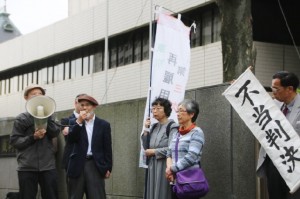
x=274 y=90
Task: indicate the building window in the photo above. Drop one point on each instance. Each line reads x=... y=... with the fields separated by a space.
x=34 y=77
x=86 y=65
x=67 y=74
x=121 y=51
x=206 y=27
x=137 y=52
x=29 y=78
x=92 y=66
x=73 y=69
x=196 y=36
x=7 y=86
x=1 y=87
x=128 y=52
x=50 y=75
x=113 y=54
x=76 y=67
x=42 y=76
x=97 y=59
x=14 y=84
x=59 y=72
x=145 y=44
x=25 y=80
x=216 y=25
x=20 y=82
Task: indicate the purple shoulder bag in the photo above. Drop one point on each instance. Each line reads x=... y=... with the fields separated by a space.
x=190 y=183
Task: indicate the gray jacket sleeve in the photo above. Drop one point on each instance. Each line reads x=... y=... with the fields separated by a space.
x=53 y=129
x=22 y=132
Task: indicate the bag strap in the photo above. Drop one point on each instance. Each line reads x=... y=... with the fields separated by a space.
x=153 y=127
x=176 y=148
x=148 y=135
x=168 y=129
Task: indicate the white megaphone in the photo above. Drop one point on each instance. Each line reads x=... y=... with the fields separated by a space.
x=40 y=107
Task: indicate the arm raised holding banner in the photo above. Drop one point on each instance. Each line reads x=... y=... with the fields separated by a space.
x=284 y=86
x=277 y=133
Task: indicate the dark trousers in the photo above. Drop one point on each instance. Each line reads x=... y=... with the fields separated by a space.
x=29 y=180
x=173 y=196
x=90 y=183
x=277 y=187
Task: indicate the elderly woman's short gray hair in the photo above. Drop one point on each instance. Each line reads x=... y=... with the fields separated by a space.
x=191 y=106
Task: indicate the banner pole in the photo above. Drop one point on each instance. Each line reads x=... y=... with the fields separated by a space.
x=150 y=83
x=151 y=48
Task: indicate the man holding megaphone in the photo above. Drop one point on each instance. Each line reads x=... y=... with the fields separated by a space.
x=35 y=149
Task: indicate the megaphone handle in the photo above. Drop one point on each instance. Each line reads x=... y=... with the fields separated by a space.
x=39 y=134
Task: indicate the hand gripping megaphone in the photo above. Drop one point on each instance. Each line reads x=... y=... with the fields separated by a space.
x=40 y=107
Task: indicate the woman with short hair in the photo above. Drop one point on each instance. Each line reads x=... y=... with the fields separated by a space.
x=190 y=141
x=156 y=147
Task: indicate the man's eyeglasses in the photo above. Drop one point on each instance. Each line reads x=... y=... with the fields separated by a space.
x=274 y=90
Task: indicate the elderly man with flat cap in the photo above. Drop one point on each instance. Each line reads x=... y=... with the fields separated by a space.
x=35 y=152
x=91 y=161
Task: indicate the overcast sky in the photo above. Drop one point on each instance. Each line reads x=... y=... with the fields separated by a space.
x=31 y=15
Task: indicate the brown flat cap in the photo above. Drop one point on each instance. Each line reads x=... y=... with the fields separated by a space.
x=88 y=98
x=31 y=87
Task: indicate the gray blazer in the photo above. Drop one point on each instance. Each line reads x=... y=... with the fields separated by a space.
x=294 y=119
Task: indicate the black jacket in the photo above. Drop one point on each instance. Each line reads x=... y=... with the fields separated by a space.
x=101 y=148
x=69 y=147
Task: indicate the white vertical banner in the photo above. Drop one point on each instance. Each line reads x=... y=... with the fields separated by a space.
x=268 y=124
x=170 y=66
